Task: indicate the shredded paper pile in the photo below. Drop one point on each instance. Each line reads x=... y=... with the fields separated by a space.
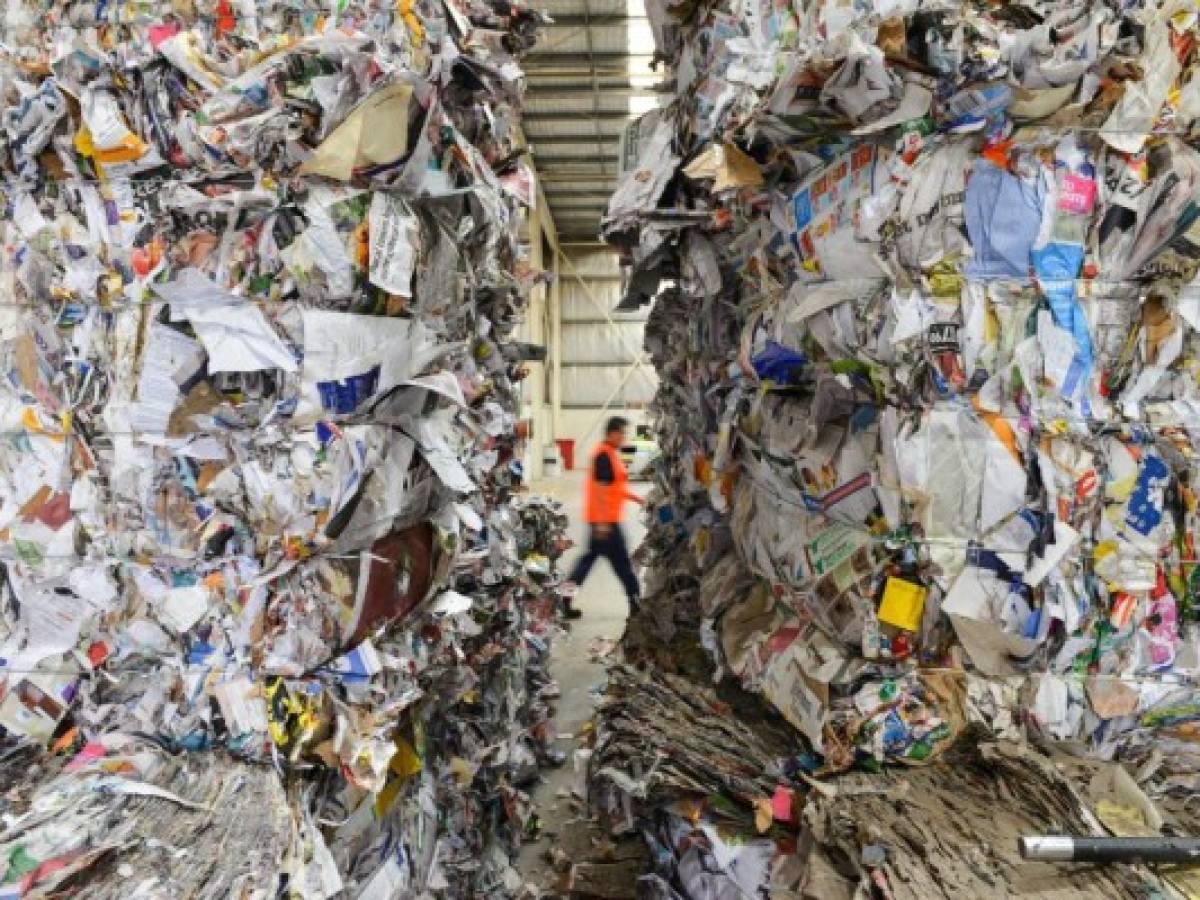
x=927 y=326
x=275 y=613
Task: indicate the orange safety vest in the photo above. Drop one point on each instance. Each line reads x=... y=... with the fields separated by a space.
x=602 y=502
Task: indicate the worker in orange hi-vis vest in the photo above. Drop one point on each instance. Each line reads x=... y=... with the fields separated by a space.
x=605 y=493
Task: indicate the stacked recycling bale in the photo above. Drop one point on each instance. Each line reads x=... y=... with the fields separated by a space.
x=259 y=486
x=928 y=366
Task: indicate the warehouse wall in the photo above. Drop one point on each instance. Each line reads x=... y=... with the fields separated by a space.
x=598 y=356
x=539 y=235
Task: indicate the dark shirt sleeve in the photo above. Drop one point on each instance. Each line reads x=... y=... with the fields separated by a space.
x=602 y=471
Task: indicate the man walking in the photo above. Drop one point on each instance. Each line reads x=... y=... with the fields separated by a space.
x=605 y=492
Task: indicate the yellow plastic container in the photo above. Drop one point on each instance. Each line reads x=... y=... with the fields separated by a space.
x=903 y=604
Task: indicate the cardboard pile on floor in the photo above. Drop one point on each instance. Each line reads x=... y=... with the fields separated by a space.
x=271 y=596
x=928 y=335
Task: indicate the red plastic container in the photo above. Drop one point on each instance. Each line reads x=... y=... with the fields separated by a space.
x=566 y=448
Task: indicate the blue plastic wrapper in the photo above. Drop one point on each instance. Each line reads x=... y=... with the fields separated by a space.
x=779 y=364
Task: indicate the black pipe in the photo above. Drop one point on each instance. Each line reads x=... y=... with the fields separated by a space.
x=1082 y=849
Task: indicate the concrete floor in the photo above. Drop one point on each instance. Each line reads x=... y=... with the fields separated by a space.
x=580 y=678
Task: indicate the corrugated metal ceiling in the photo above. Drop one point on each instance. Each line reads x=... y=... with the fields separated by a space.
x=588 y=77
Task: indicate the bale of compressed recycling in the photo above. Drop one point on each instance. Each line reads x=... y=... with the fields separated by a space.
x=272 y=596
x=926 y=332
